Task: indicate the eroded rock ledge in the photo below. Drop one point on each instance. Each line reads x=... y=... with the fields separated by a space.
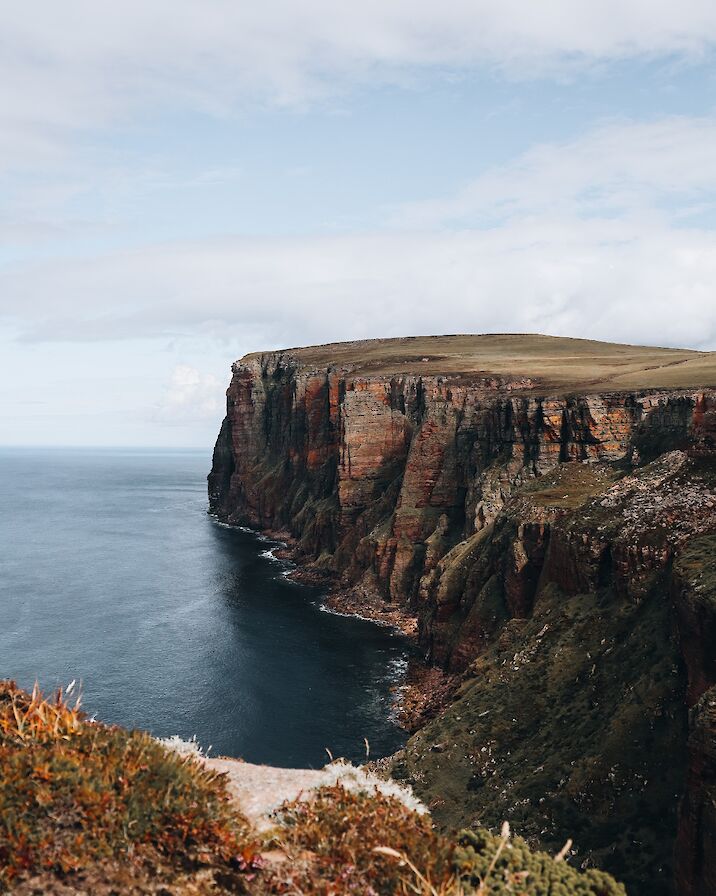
x=542 y=530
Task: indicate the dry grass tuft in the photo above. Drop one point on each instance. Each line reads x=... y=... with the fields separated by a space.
x=331 y=841
x=74 y=793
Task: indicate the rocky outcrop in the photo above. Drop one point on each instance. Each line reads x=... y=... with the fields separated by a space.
x=380 y=478
x=509 y=518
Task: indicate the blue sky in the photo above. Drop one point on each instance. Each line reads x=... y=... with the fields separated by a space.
x=183 y=182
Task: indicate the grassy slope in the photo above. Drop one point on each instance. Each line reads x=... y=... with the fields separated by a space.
x=86 y=807
x=549 y=731
x=74 y=795
x=573 y=722
x=553 y=362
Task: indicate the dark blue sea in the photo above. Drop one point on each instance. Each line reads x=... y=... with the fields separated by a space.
x=112 y=573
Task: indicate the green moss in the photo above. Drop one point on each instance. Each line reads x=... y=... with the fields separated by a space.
x=519 y=870
x=571 y=724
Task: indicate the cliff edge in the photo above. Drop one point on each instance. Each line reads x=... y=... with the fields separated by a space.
x=546 y=509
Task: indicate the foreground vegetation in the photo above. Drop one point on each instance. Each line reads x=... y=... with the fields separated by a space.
x=74 y=794
x=86 y=807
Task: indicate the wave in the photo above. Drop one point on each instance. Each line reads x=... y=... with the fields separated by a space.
x=269 y=555
x=346 y=615
x=249 y=531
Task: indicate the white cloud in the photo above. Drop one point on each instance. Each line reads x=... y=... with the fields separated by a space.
x=587 y=238
x=607 y=279
x=191 y=396
x=609 y=235
x=616 y=169
x=77 y=65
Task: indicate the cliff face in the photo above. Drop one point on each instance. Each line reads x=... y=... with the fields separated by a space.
x=380 y=478
x=584 y=620
x=514 y=519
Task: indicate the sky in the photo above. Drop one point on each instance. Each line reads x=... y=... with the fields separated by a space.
x=185 y=181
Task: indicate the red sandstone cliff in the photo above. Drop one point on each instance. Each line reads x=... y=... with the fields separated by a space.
x=466 y=496
x=379 y=477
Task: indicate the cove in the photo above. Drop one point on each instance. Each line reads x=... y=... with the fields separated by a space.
x=111 y=572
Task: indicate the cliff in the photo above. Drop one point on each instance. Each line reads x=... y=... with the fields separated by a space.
x=536 y=503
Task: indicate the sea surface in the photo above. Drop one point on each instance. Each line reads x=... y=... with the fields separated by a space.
x=112 y=573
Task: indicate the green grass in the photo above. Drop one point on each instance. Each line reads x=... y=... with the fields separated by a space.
x=570 y=724
x=696 y=565
x=570 y=486
x=552 y=363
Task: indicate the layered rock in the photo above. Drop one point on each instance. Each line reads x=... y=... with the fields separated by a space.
x=380 y=477
x=508 y=517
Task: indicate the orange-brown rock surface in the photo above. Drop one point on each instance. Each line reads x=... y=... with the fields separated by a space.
x=378 y=477
x=470 y=498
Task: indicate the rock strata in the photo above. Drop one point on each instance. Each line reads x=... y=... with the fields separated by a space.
x=495 y=506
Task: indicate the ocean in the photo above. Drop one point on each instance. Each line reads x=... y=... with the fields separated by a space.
x=113 y=574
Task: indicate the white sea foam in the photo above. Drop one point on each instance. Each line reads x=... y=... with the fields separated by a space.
x=269 y=555
x=324 y=608
x=222 y=524
x=398 y=666
x=214 y=518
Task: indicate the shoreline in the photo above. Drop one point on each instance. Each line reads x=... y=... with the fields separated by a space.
x=343 y=600
x=427 y=689
x=351 y=601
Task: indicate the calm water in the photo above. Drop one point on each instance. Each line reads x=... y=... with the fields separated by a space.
x=111 y=572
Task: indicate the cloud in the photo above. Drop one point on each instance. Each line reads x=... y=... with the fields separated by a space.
x=615 y=169
x=597 y=278
x=191 y=396
x=67 y=68
x=609 y=236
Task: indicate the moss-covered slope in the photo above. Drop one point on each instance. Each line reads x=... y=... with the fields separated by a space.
x=587 y=606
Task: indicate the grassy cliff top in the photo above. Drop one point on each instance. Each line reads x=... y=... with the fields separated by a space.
x=549 y=361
